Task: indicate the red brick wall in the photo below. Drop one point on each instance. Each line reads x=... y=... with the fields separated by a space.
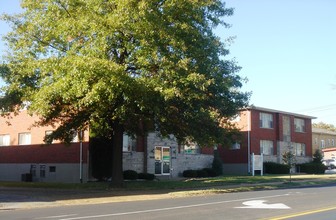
x=256 y=134
x=54 y=153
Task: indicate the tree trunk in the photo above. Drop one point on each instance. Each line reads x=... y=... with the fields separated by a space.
x=117 y=166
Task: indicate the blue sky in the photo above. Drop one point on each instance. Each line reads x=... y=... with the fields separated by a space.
x=286 y=48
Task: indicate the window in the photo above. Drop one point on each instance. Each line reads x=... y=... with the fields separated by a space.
x=300 y=149
x=129 y=143
x=43 y=171
x=316 y=141
x=33 y=170
x=52 y=169
x=322 y=144
x=266 y=120
x=332 y=142
x=266 y=147
x=235 y=146
x=299 y=125
x=4 y=140
x=24 y=138
x=191 y=148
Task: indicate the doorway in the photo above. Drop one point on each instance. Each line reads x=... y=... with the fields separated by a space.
x=162 y=160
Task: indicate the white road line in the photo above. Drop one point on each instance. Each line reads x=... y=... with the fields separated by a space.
x=171 y=208
x=56 y=216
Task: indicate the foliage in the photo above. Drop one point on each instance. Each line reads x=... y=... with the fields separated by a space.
x=312 y=168
x=275 y=168
x=317 y=156
x=146 y=176
x=122 y=66
x=190 y=173
x=323 y=125
x=200 y=173
x=130 y=175
x=289 y=158
x=217 y=164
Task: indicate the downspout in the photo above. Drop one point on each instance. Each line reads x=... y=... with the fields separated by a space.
x=248 y=141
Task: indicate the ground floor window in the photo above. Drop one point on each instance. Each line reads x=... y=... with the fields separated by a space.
x=266 y=147
x=300 y=149
x=129 y=143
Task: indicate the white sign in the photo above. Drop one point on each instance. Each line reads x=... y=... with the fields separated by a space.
x=260 y=204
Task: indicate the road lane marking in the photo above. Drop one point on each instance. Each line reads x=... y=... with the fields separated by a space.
x=56 y=216
x=303 y=213
x=172 y=208
x=260 y=204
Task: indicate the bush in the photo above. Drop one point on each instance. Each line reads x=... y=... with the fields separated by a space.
x=275 y=168
x=146 y=176
x=130 y=175
x=210 y=171
x=202 y=173
x=190 y=173
x=312 y=168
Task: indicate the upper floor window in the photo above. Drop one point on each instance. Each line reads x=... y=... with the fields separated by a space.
x=322 y=144
x=24 y=138
x=299 y=125
x=300 y=149
x=266 y=120
x=4 y=140
x=266 y=147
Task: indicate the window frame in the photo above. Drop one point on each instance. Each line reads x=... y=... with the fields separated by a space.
x=27 y=134
x=300 y=147
x=267 y=143
x=299 y=127
x=3 y=141
x=266 y=120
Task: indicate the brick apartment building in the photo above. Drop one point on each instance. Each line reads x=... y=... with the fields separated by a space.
x=270 y=132
x=23 y=151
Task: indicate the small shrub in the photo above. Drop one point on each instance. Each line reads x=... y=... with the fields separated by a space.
x=202 y=173
x=275 y=168
x=146 y=176
x=312 y=168
x=190 y=173
x=130 y=175
x=210 y=171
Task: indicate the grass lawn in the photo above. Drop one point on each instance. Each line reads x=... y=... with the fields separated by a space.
x=216 y=183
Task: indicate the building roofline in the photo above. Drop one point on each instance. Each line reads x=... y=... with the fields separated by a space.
x=252 y=107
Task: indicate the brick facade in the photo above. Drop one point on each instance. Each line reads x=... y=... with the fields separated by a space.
x=249 y=123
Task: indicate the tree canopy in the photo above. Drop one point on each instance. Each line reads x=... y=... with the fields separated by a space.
x=119 y=64
x=323 y=125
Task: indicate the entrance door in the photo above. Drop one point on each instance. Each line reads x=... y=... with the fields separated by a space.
x=162 y=160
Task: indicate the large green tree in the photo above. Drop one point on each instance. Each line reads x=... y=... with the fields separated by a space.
x=121 y=65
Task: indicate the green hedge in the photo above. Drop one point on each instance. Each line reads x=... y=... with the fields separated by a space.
x=146 y=176
x=275 y=168
x=205 y=172
x=312 y=168
x=130 y=175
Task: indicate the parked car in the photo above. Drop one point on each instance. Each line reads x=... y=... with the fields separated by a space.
x=330 y=163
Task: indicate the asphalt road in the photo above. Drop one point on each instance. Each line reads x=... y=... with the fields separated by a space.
x=300 y=203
